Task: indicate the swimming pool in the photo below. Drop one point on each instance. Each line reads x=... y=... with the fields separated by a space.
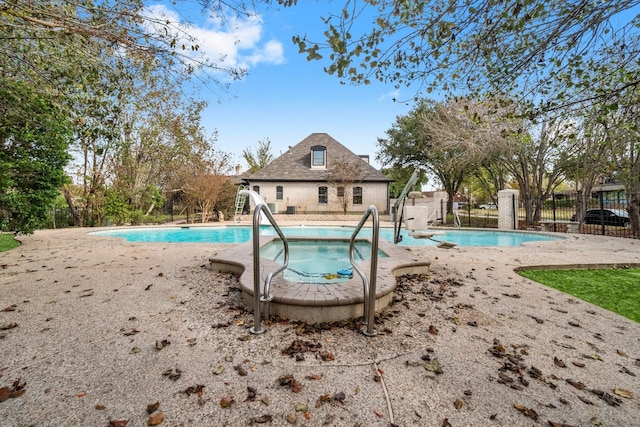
x=318 y=261
x=241 y=234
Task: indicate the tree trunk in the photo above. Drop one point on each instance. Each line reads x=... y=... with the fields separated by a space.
x=77 y=220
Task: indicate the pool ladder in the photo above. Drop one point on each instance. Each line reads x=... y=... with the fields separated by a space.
x=369 y=284
x=265 y=297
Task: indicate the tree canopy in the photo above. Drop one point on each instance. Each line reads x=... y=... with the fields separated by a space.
x=34 y=137
x=553 y=54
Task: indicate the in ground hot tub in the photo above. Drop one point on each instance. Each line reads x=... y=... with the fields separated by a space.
x=322 y=299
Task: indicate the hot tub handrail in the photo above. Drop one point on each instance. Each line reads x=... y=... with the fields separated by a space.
x=369 y=284
x=258 y=327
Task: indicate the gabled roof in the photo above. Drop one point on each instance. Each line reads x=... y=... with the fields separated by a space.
x=295 y=164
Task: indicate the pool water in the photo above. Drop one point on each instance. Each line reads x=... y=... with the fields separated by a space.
x=317 y=261
x=241 y=234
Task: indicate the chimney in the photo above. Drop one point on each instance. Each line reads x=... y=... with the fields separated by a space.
x=238 y=170
x=364 y=157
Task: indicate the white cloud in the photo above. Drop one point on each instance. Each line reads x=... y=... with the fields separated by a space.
x=393 y=95
x=231 y=42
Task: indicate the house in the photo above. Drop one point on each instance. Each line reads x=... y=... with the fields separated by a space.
x=320 y=175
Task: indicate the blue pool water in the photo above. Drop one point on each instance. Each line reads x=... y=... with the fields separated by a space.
x=318 y=262
x=241 y=234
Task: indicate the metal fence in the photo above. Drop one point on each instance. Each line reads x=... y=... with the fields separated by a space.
x=606 y=215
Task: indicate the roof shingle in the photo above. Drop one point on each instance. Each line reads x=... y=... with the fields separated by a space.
x=295 y=164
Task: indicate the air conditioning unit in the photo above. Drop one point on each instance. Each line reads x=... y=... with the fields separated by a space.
x=291 y=210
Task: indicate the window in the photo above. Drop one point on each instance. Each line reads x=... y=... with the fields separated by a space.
x=279 y=192
x=318 y=156
x=340 y=191
x=357 y=195
x=322 y=195
x=256 y=188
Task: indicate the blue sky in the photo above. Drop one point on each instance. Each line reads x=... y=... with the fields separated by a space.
x=284 y=97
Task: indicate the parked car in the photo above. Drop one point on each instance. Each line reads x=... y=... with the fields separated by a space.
x=618 y=217
x=488 y=206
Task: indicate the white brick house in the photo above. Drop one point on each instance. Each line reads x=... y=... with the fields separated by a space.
x=303 y=180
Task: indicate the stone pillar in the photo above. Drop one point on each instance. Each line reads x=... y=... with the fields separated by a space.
x=440 y=205
x=508 y=209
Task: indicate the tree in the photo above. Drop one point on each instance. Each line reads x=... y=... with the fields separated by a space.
x=400 y=178
x=34 y=137
x=623 y=134
x=74 y=34
x=534 y=161
x=261 y=158
x=434 y=137
x=342 y=178
x=553 y=54
x=586 y=159
x=209 y=184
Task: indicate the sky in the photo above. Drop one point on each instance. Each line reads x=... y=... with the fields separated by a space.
x=284 y=98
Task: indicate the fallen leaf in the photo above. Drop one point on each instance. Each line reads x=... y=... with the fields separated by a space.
x=301 y=407
x=263 y=419
x=433 y=366
x=433 y=330
x=241 y=370
x=579 y=364
x=526 y=411
x=118 y=423
x=194 y=389
x=559 y=363
x=378 y=414
x=173 y=375
x=585 y=400
x=152 y=407
x=576 y=384
x=251 y=394
x=291 y=418
x=296 y=386
x=623 y=393
x=100 y=407
x=218 y=370
x=457 y=404
x=625 y=370
x=155 y=419
x=592 y=356
x=226 y=401
x=8 y=326
x=622 y=353
x=446 y=423
x=327 y=357
x=162 y=344
x=610 y=399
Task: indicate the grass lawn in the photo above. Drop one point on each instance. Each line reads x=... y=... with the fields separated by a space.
x=617 y=290
x=7 y=242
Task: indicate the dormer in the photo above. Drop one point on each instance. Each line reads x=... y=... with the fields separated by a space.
x=318 y=157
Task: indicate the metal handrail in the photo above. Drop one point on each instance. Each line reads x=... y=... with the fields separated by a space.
x=369 y=284
x=397 y=225
x=258 y=327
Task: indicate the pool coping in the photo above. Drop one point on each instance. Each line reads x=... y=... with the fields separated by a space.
x=318 y=302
